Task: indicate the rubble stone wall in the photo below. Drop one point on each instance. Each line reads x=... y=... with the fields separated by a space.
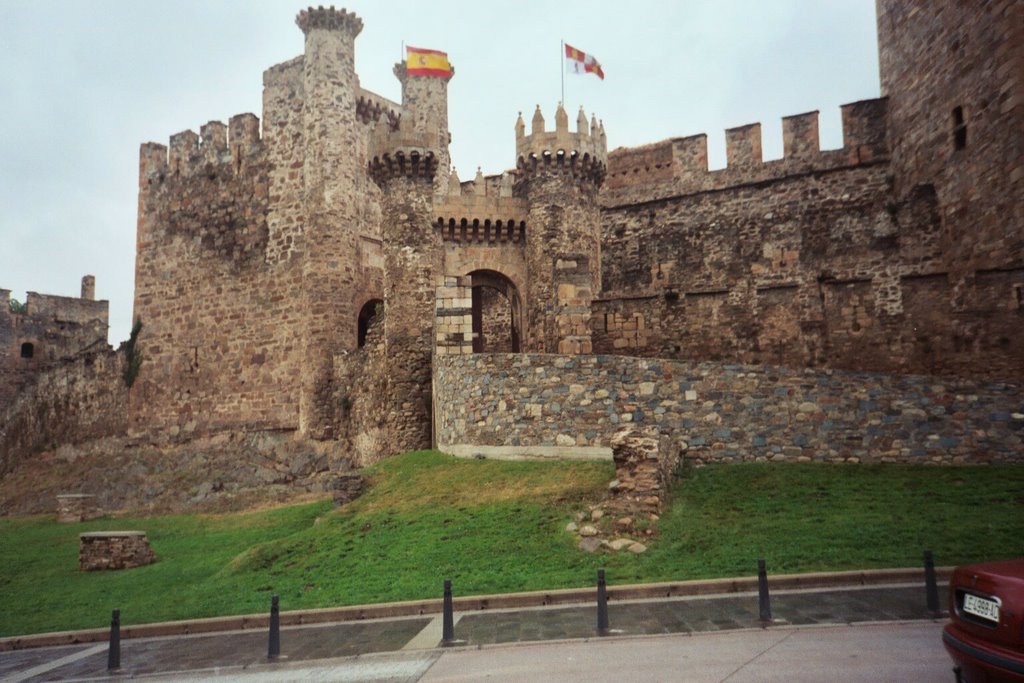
x=723 y=412
x=80 y=400
x=644 y=463
x=51 y=330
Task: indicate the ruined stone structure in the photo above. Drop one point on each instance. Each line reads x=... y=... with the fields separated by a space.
x=49 y=330
x=324 y=274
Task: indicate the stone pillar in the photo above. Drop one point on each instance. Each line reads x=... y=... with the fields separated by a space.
x=453 y=316
x=330 y=168
x=412 y=269
x=559 y=174
x=643 y=471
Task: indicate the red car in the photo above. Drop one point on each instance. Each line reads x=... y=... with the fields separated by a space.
x=985 y=636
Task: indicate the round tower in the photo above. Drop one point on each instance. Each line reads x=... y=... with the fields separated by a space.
x=425 y=111
x=404 y=165
x=330 y=237
x=559 y=173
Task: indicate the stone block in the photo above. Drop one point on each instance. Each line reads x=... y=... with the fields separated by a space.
x=113 y=550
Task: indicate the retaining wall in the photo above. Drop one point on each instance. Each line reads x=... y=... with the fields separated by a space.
x=537 y=405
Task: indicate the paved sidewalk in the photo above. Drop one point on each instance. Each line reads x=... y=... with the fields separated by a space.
x=416 y=637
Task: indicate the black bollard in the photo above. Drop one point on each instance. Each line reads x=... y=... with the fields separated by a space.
x=114 y=651
x=764 y=601
x=274 y=646
x=602 y=605
x=448 y=632
x=931 y=588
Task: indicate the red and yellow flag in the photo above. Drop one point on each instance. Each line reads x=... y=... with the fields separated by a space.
x=579 y=62
x=420 y=62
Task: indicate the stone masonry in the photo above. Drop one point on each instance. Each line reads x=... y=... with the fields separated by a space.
x=113 y=550
x=321 y=274
x=523 y=404
x=643 y=472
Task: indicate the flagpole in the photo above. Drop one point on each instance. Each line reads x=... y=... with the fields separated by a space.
x=561 y=68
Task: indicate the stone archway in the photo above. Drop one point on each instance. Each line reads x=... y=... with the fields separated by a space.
x=497 y=313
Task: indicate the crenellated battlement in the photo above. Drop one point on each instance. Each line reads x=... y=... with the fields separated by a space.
x=405 y=162
x=401 y=152
x=680 y=165
x=482 y=211
x=371 y=108
x=588 y=146
x=329 y=19
x=218 y=148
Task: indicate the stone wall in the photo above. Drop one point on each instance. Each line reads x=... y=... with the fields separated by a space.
x=810 y=261
x=954 y=76
x=51 y=330
x=77 y=401
x=722 y=412
x=220 y=326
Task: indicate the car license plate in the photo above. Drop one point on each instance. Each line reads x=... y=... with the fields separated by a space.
x=980 y=607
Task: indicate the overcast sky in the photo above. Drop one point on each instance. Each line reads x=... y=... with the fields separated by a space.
x=85 y=82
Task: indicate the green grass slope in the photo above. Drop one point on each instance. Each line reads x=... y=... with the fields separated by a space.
x=499 y=526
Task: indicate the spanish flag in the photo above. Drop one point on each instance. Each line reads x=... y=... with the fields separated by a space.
x=578 y=62
x=420 y=62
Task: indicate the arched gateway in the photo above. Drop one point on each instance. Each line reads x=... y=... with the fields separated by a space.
x=497 y=313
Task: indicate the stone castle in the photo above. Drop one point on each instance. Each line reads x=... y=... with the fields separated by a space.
x=324 y=277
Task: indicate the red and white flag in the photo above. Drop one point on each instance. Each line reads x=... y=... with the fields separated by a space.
x=578 y=62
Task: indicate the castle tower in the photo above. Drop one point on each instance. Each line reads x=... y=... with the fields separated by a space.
x=331 y=233
x=404 y=165
x=559 y=173
x=425 y=111
x=953 y=73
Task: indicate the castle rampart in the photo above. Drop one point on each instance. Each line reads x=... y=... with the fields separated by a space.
x=679 y=166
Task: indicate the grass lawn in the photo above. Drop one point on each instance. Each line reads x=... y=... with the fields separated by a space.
x=497 y=526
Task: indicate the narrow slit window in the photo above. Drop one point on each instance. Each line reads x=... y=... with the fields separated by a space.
x=959 y=129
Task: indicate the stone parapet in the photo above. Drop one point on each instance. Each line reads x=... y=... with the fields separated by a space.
x=588 y=142
x=329 y=19
x=679 y=166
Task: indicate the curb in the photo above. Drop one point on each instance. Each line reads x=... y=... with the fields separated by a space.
x=566 y=596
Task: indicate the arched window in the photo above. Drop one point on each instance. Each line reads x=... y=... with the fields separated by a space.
x=28 y=350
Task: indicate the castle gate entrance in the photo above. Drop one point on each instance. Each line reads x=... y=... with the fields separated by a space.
x=497 y=313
